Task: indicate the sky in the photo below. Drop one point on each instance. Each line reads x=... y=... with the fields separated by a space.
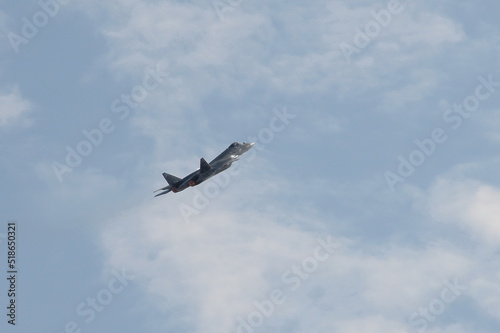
x=369 y=202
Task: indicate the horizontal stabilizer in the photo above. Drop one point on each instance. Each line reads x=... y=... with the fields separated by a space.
x=204 y=166
x=164 y=192
x=168 y=187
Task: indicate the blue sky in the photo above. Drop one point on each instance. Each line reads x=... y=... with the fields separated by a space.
x=369 y=202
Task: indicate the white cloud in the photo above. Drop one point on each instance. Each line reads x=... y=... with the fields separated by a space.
x=234 y=253
x=470 y=204
x=287 y=49
x=419 y=274
x=14 y=109
x=81 y=199
x=214 y=268
x=458 y=199
x=432 y=30
x=489 y=120
x=486 y=292
x=372 y=324
x=422 y=83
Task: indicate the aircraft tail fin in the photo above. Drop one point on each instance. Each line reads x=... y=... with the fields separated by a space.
x=171 y=180
x=204 y=166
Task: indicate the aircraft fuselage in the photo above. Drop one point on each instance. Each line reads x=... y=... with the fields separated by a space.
x=206 y=170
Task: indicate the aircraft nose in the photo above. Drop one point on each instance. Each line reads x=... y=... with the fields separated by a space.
x=249 y=146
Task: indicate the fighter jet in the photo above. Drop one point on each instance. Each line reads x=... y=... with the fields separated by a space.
x=206 y=170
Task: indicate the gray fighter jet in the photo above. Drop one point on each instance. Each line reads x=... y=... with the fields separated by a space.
x=206 y=170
